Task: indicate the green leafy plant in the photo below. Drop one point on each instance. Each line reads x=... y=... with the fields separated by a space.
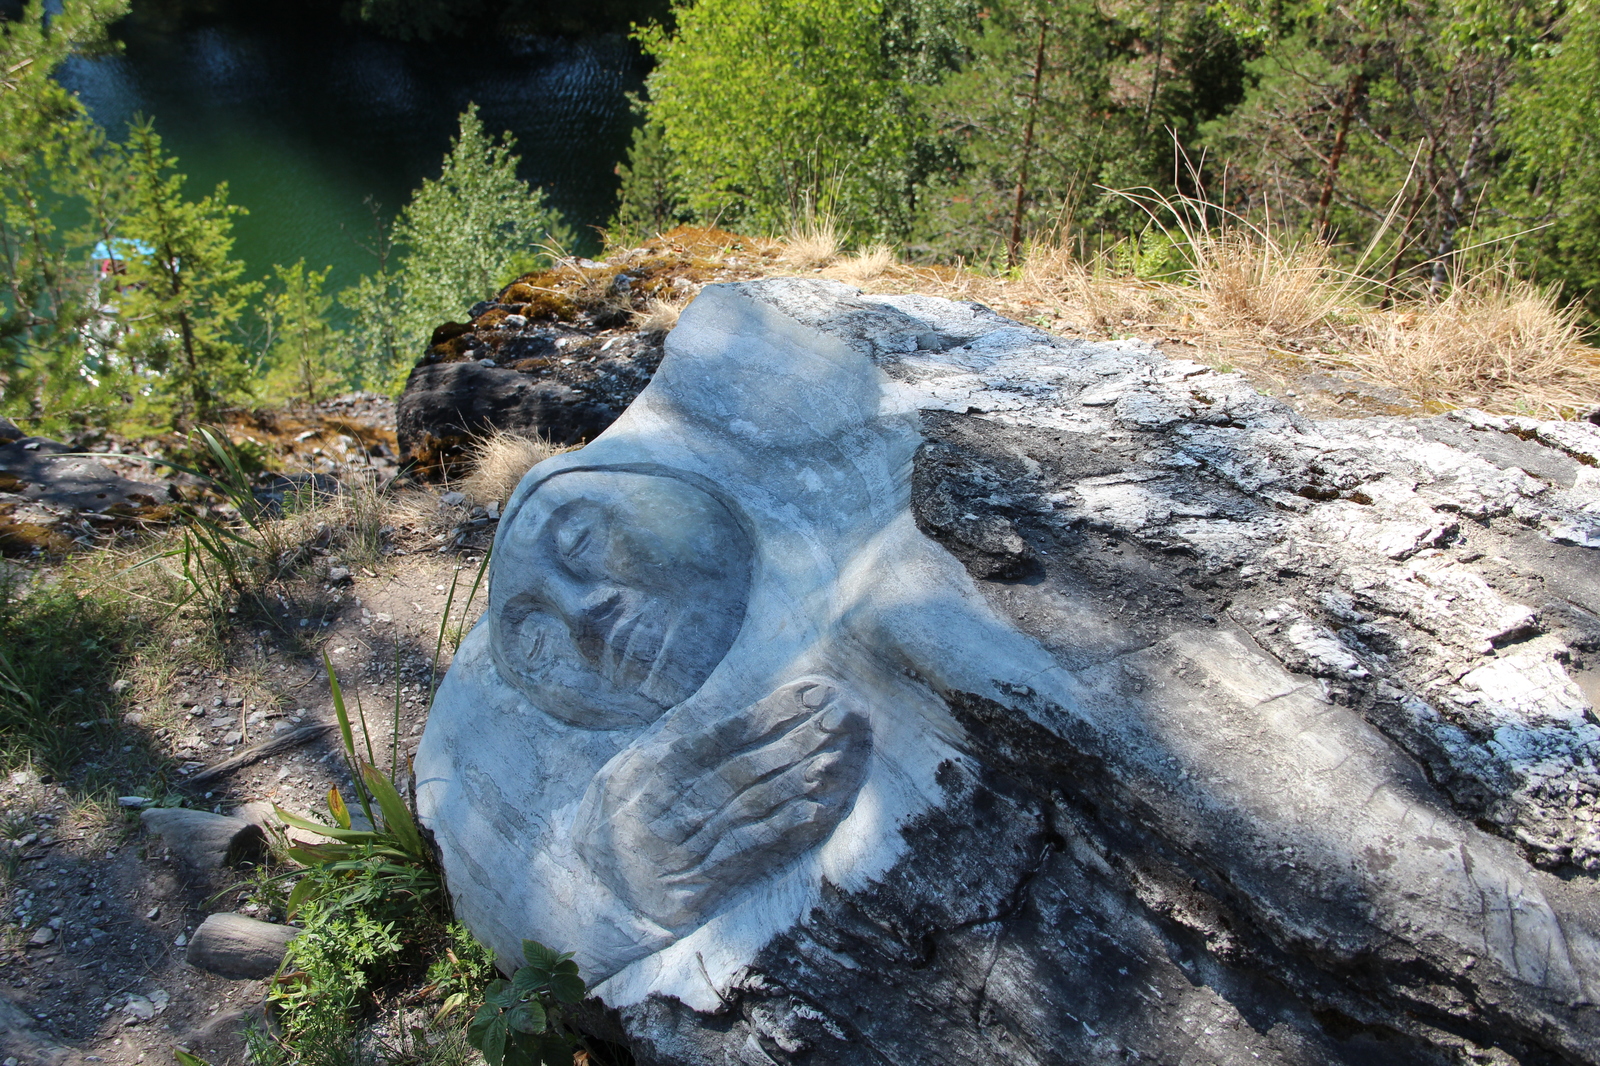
x=520 y=1022
x=460 y=972
x=387 y=865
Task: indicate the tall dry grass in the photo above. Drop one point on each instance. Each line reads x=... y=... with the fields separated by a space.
x=864 y=267
x=813 y=243
x=1494 y=341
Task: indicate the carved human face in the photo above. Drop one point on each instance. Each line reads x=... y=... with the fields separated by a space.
x=615 y=595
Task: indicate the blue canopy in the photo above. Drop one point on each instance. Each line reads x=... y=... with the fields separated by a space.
x=121 y=248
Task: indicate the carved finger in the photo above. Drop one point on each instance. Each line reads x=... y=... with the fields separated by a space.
x=827 y=778
x=716 y=788
x=760 y=847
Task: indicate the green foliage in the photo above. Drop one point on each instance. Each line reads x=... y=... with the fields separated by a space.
x=776 y=110
x=650 y=199
x=49 y=170
x=1378 y=123
x=303 y=347
x=1058 y=103
x=331 y=969
x=467 y=232
x=460 y=971
x=1553 y=185
x=520 y=1022
x=387 y=869
x=182 y=300
x=220 y=561
x=370 y=905
x=379 y=358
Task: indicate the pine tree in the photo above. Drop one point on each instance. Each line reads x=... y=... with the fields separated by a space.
x=302 y=345
x=182 y=297
x=50 y=154
x=650 y=196
x=466 y=233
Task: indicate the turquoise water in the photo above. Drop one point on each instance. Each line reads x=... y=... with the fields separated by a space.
x=306 y=120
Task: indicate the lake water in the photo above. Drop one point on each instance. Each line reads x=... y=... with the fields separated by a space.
x=305 y=120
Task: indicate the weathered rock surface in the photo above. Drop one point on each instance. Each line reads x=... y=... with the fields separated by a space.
x=1086 y=707
x=205 y=841
x=550 y=380
x=233 y=945
x=49 y=496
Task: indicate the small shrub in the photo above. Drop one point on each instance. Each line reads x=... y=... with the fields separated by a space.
x=520 y=1022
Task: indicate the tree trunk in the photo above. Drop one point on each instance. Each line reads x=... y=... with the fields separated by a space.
x=1352 y=98
x=1027 y=147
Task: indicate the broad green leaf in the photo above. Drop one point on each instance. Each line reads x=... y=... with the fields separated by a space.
x=186 y=1059
x=494 y=1040
x=480 y=1024
x=527 y=1017
x=396 y=818
x=453 y=1002
x=338 y=709
x=541 y=958
x=304 y=889
x=568 y=987
x=528 y=981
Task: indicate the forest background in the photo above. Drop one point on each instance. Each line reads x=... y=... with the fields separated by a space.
x=1412 y=141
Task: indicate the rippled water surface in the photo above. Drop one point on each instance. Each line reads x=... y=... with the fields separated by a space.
x=305 y=121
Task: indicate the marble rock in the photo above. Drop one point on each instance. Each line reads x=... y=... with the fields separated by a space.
x=896 y=683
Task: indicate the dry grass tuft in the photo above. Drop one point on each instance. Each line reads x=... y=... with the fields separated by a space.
x=658 y=316
x=498 y=463
x=1495 y=342
x=865 y=267
x=1248 y=281
x=813 y=244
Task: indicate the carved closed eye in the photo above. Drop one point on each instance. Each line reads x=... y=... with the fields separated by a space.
x=577 y=540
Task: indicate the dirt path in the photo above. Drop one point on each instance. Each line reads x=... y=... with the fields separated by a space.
x=98 y=915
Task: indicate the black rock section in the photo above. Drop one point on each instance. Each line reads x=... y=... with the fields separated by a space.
x=561 y=385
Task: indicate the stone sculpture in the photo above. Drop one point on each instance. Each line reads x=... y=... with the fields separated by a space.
x=802 y=700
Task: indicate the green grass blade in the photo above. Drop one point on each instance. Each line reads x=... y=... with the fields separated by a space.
x=396 y=818
x=346 y=737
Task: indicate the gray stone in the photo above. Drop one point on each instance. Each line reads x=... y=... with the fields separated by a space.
x=895 y=683
x=203 y=840
x=233 y=945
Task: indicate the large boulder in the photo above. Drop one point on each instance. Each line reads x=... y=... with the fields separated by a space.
x=895 y=683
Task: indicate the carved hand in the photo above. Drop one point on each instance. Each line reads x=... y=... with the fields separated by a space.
x=674 y=825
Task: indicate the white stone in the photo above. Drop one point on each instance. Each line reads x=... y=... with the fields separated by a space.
x=723 y=673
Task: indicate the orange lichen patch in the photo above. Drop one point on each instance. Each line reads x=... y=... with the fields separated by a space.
x=26 y=538
x=705 y=242
x=546 y=295
x=453 y=350
x=670 y=267
x=278 y=434
x=490 y=318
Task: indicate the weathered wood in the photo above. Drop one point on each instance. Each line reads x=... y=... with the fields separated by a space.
x=233 y=945
x=206 y=841
x=256 y=752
